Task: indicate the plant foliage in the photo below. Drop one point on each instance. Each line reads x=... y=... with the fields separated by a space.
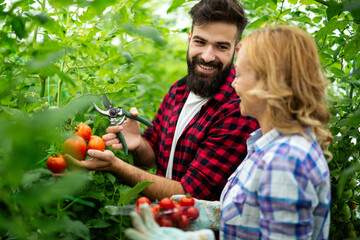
x=60 y=56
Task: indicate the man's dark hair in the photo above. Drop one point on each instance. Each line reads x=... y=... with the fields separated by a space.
x=229 y=11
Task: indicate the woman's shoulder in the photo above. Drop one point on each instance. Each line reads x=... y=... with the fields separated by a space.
x=294 y=149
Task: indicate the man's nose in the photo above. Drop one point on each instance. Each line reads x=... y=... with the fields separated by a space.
x=208 y=54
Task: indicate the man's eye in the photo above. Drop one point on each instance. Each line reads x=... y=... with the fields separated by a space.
x=223 y=47
x=199 y=42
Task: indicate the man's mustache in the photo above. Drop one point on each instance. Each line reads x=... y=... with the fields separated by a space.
x=215 y=63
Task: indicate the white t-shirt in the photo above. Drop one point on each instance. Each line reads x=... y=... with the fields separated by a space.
x=191 y=107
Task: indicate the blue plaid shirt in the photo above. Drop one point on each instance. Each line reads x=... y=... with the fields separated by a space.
x=281 y=190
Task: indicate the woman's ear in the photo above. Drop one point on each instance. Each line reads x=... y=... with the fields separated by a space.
x=237 y=48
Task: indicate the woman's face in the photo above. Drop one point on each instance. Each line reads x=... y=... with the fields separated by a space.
x=244 y=81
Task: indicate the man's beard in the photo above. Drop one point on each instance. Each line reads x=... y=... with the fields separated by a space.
x=206 y=85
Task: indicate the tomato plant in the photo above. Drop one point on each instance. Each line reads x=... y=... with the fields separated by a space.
x=75 y=146
x=83 y=130
x=56 y=164
x=96 y=143
x=58 y=57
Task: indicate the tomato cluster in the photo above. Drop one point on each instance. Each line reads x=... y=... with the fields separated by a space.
x=76 y=146
x=170 y=213
x=82 y=141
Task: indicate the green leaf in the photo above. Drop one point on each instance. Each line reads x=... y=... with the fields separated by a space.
x=307 y=2
x=258 y=23
x=345 y=175
x=79 y=200
x=97 y=223
x=18 y=26
x=352 y=48
x=131 y=194
x=317 y=19
x=293 y=1
x=354 y=8
x=76 y=229
x=59 y=4
x=14 y=113
x=352 y=120
x=45 y=193
x=260 y=3
x=147 y=32
x=52 y=26
x=333 y=9
x=175 y=4
x=330 y=27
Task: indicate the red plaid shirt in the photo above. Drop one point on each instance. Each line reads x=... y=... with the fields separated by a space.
x=211 y=146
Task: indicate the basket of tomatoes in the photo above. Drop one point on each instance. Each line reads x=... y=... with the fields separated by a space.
x=170 y=213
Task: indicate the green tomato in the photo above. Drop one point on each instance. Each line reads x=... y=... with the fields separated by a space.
x=334 y=208
x=352 y=183
x=347 y=194
x=351 y=234
x=345 y=212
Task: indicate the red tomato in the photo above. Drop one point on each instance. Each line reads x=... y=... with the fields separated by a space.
x=176 y=214
x=165 y=222
x=192 y=213
x=166 y=203
x=96 y=142
x=184 y=222
x=56 y=164
x=142 y=200
x=83 y=130
x=75 y=146
x=187 y=201
x=155 y=209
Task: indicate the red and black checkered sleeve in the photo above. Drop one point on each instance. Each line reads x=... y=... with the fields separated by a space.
x=219 y=156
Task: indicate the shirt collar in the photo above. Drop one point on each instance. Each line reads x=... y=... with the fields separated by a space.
x=257 y=141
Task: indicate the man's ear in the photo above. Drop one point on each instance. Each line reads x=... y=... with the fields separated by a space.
x=189 y=38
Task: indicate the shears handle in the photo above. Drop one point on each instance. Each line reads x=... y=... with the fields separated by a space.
x=137 y=118
x=122 y=140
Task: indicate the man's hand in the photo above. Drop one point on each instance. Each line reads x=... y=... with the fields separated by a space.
x=145 y=228
x=101 y=161
x=130 y=130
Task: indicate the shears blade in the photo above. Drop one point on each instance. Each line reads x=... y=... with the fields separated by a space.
x=106 y=102
x=100 y=110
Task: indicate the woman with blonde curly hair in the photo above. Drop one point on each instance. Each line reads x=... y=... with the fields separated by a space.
x=282 y=188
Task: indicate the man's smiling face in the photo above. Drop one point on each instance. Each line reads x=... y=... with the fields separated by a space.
x=210 y=56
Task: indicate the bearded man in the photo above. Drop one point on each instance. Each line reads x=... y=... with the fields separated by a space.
x=199 y=136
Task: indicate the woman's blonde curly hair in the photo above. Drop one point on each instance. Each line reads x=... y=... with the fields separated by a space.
x=286 y=61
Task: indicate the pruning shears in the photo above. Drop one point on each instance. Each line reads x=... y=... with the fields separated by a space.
x=117 y=117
